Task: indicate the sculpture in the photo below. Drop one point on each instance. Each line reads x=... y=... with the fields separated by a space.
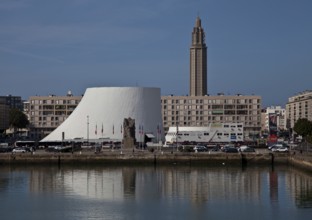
x=129 y=133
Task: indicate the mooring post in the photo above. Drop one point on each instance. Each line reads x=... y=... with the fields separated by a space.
x=59 y=160
x=155 y=160
x=272 y=158
x=243 y=159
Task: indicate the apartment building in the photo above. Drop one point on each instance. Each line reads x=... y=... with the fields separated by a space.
x=7 y=103
x=299 y=106
x=279 y=115
x=202 y=110
x=47 y=112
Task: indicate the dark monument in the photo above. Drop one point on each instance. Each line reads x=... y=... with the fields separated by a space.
x=129 y=133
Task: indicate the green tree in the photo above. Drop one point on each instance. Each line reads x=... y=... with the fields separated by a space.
x=17 y=119
x=309 y=138
x=303 y=127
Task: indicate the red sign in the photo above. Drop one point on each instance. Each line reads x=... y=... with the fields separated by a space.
x=272 y=138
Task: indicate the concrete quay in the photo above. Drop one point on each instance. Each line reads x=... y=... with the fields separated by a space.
x=301 y=160
x=137 y=157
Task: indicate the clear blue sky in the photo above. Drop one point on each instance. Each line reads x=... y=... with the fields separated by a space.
x=261 y=47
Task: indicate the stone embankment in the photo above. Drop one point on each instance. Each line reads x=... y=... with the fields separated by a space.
x=157 y=158
x=301 y=160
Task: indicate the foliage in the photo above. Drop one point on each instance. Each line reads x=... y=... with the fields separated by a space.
x=17 y=119
x=309 y=138
x=303 y=127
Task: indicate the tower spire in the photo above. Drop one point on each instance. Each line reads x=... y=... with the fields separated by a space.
x=198 y=61
x=198 y=22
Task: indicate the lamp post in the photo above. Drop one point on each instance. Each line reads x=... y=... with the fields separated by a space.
x=88 y=129
x=177 y=135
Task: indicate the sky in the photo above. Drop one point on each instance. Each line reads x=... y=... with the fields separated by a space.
x=255 y=47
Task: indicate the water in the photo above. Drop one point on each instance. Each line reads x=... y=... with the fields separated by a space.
x=171 y=192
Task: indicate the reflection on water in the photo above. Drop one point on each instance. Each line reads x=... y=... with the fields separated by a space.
x=168 y=192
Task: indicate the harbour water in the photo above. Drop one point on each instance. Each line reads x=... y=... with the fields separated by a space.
x=165 y=192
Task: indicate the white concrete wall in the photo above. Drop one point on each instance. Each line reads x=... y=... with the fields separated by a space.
x=108 y=106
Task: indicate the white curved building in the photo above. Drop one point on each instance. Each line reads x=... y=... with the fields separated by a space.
x=101 y=113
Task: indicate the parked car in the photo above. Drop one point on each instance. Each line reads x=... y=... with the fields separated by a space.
x=19 y=150
x=5 y=149
x=277 y=145
x=199 y=148
x=246 y=149
x=279 y=149
x=231 y=150
x=215 y=148
x=227 y=146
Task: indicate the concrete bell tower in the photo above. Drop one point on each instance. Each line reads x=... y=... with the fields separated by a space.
x=198 y=61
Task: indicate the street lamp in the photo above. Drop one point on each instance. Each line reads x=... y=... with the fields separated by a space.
x=177 y=135
x=88 y=129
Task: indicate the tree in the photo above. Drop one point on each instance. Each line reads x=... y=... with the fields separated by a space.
x=17 y=119
x=309 y=138
x=303 y=127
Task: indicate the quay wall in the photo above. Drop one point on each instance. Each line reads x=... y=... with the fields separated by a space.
x=303 y=161
x=146 y=158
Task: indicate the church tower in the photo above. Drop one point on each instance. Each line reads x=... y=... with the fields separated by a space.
x=198 y=61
